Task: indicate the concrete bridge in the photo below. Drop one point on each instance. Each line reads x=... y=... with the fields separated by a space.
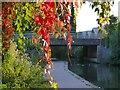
x=90 y=42
x=79 y=39
x=76 y=42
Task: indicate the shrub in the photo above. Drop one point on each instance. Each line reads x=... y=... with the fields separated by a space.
x=18 y=72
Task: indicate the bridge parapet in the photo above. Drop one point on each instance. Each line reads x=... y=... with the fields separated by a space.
x=80 y=35
x=76 y=42
x=83 y=35
x=78 y=39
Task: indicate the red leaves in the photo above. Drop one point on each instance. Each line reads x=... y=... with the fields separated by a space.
x=46 y=48
x=69 y=27
x=39 y=32
x=76 y=4
x=49 y=23
x=38 y=19
x=50 y=4
x=70 y=39
x=34 y=40
x=60 y=24
x=5 y=22
x=67 y=17
x=8 y=15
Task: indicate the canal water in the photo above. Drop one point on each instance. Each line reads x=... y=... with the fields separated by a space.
x=102 y=75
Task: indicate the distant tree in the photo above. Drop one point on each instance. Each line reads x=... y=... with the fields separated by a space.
x=113 y=39
x=110 y=28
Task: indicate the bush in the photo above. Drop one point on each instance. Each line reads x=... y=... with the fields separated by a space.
x=77 y=52
x=115 y=44
x=34 y=51
x=18 y=72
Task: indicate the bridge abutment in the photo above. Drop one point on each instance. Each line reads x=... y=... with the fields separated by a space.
x=90 y=53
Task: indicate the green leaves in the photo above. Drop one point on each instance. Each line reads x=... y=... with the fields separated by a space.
x=97 y=10
x=103 y=11
x=19 y=41
x=24 y=13
x=18 y=72
x=23 y=21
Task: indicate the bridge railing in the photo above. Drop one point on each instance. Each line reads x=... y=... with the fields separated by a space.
x=84 y=36
x=81 y=35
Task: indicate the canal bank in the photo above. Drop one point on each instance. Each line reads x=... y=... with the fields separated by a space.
x=102 y=75
x=68 y=79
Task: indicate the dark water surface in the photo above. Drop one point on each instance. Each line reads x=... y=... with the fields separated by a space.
x=99 y=74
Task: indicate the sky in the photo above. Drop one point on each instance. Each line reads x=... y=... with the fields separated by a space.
x=86 y=18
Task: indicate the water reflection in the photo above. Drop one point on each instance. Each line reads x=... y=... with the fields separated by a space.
x=101 y=75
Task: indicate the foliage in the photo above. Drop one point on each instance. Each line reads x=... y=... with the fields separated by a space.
x=8 y=15
x=114 y=45
x=113 y=38
x=45 y=19
x=73 y=17
x=35 y=52
x=49 y=21
x=23 y=21
x=103 y=11
x=77 y=53
x=59 y=52
x=18 y=72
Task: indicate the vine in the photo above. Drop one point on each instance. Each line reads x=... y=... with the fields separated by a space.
x=8 y=15
x=45 y=18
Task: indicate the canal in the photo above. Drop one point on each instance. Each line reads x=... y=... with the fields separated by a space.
x=102 y=75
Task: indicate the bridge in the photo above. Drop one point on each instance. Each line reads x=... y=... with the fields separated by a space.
x=79 y=39
x=89 y=40
x=76 y=42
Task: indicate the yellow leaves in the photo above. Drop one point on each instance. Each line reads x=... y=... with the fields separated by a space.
x=54 y=85
x=81 y=2
x=39 y=60
x=56 y=35
x=100 y=28
x=48 y=53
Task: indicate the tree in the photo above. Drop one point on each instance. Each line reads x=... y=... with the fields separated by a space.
x=113 y=39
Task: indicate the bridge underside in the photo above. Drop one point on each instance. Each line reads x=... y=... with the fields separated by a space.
x=76 y=42
x=89 y=47
x=90 y=53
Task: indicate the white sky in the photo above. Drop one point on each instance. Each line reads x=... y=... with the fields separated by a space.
x=86 y=18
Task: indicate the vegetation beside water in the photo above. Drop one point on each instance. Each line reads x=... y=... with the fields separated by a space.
x=60 y=52
x=113 y=40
